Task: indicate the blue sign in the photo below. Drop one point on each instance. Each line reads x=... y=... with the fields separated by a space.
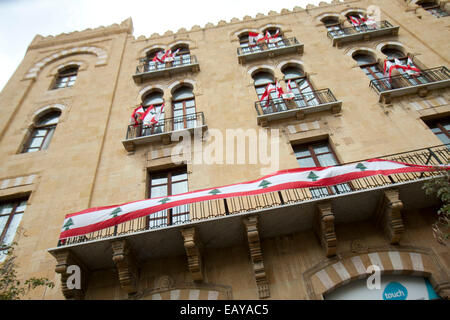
x=395 y=291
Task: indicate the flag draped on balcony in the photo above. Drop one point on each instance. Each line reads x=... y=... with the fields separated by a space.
x=165 y=56
x=409 y=68
x=137 y=115
x=94 y=219
x=266 y=94
x=151 y=116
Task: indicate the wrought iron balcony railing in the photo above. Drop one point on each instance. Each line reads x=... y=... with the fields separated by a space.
x=363 y=32
x=360 y=195
x=404 y=84
x=141 y=134
x=152 y=69
x=306 y=102
x=263 y=50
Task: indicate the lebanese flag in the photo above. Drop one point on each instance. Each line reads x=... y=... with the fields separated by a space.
x=94 y=219
x=279 y=89
x=151 y=116
x=356 y=22
x=137 y=114
x=389 y=66
x=266 y=95
x=289 y=95
x=254 y=38
x=274 y=38
x=411 y=69
x=159 y=57
x=170 y=56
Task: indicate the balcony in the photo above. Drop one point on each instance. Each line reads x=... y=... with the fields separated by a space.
x=219 y=222
x=396 y=86
x=161 y=132
x=150 y=70
x=351 y=34
x=298 y=107
x=264 y=50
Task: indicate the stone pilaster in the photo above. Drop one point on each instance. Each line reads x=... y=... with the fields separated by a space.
x=192 y=245
x=324 y=228
x=126 y=264
x=389 y=215
x=251 y=226
x=64 y=260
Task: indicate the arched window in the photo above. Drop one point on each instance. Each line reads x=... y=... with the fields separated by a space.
x=183 y=56
x=263 y=81
x=150 y=64
x=333 y=26
x=245 y=44
x=371 y=68
x=433 y=8
x=42 y=132
x=66 y=77
x=154 y=100
x=183 y=106
x=392 y=54
x=301 y=86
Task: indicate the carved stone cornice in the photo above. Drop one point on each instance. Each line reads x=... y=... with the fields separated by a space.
x=389 y=215
x=65 y=259
x=192 y=245
x=324 y=228
x=126 y=264
x=251 y=226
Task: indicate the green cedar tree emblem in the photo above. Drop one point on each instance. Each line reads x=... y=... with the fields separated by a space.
x=312 y=176
x=163 y=201
x=214 y=192
x=264 y=184
x=361 y=167
x=68 y=224
x=115 y=212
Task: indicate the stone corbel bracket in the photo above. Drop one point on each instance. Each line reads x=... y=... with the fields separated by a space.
x=251 y=226
x=192 y=245
x=389 y=215
x=65 y=259
x=127 y=266
x=324 y=228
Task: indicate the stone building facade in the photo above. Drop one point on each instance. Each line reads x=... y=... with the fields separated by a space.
x=66 y=145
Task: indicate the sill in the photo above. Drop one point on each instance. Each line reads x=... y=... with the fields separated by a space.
x=365 y=36
x=165 y=137
x=299 y=113
x=421 y=89
x=247 y=57
x=165 y=72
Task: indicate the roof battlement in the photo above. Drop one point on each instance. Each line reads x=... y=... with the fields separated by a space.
x=40 y=41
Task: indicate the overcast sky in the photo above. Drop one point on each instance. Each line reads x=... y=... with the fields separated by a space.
x=21 y=20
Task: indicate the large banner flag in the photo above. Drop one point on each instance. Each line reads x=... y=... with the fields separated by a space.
x=94 y=219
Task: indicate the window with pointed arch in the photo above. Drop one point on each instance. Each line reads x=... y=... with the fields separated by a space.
x=300 y=85
x=66 y=77
x=153 y=65
x=183 y=56
x=271 y=104
x=153 y=100
x=183 y=107
x=434 y=8
x=333 y=26
x=42 y=132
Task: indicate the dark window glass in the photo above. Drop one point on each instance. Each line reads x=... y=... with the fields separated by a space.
x=11 y=213
x=441 y=128
x=66 y=78
x=42 y=132
x=183 y=104
x=165 y=184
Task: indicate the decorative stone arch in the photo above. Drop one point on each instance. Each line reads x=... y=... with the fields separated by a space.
x=166 y=289
x=324 y=15
x=187 y=42
x=391 y=44
x=40 y=111
x=347 y=11
x=366 y=50
x=331 y=274
x=37 y=67
x=145 y=51
x=146 y=90
x=272 y=25
x=82 y=65
x=176 y=84
x=234 y=36
x=263 y=67
x=297 y=63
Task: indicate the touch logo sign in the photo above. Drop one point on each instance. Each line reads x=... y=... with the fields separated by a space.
x=395 y=291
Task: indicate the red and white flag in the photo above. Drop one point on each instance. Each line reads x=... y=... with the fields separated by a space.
x=279 y=89
x=94 y=219
x=289 y=95
x=137 y=115
x=355 y=21
x=412 y=70
x=152 y=116
x=159 y=57
x=254 y=38
x=266 y=95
